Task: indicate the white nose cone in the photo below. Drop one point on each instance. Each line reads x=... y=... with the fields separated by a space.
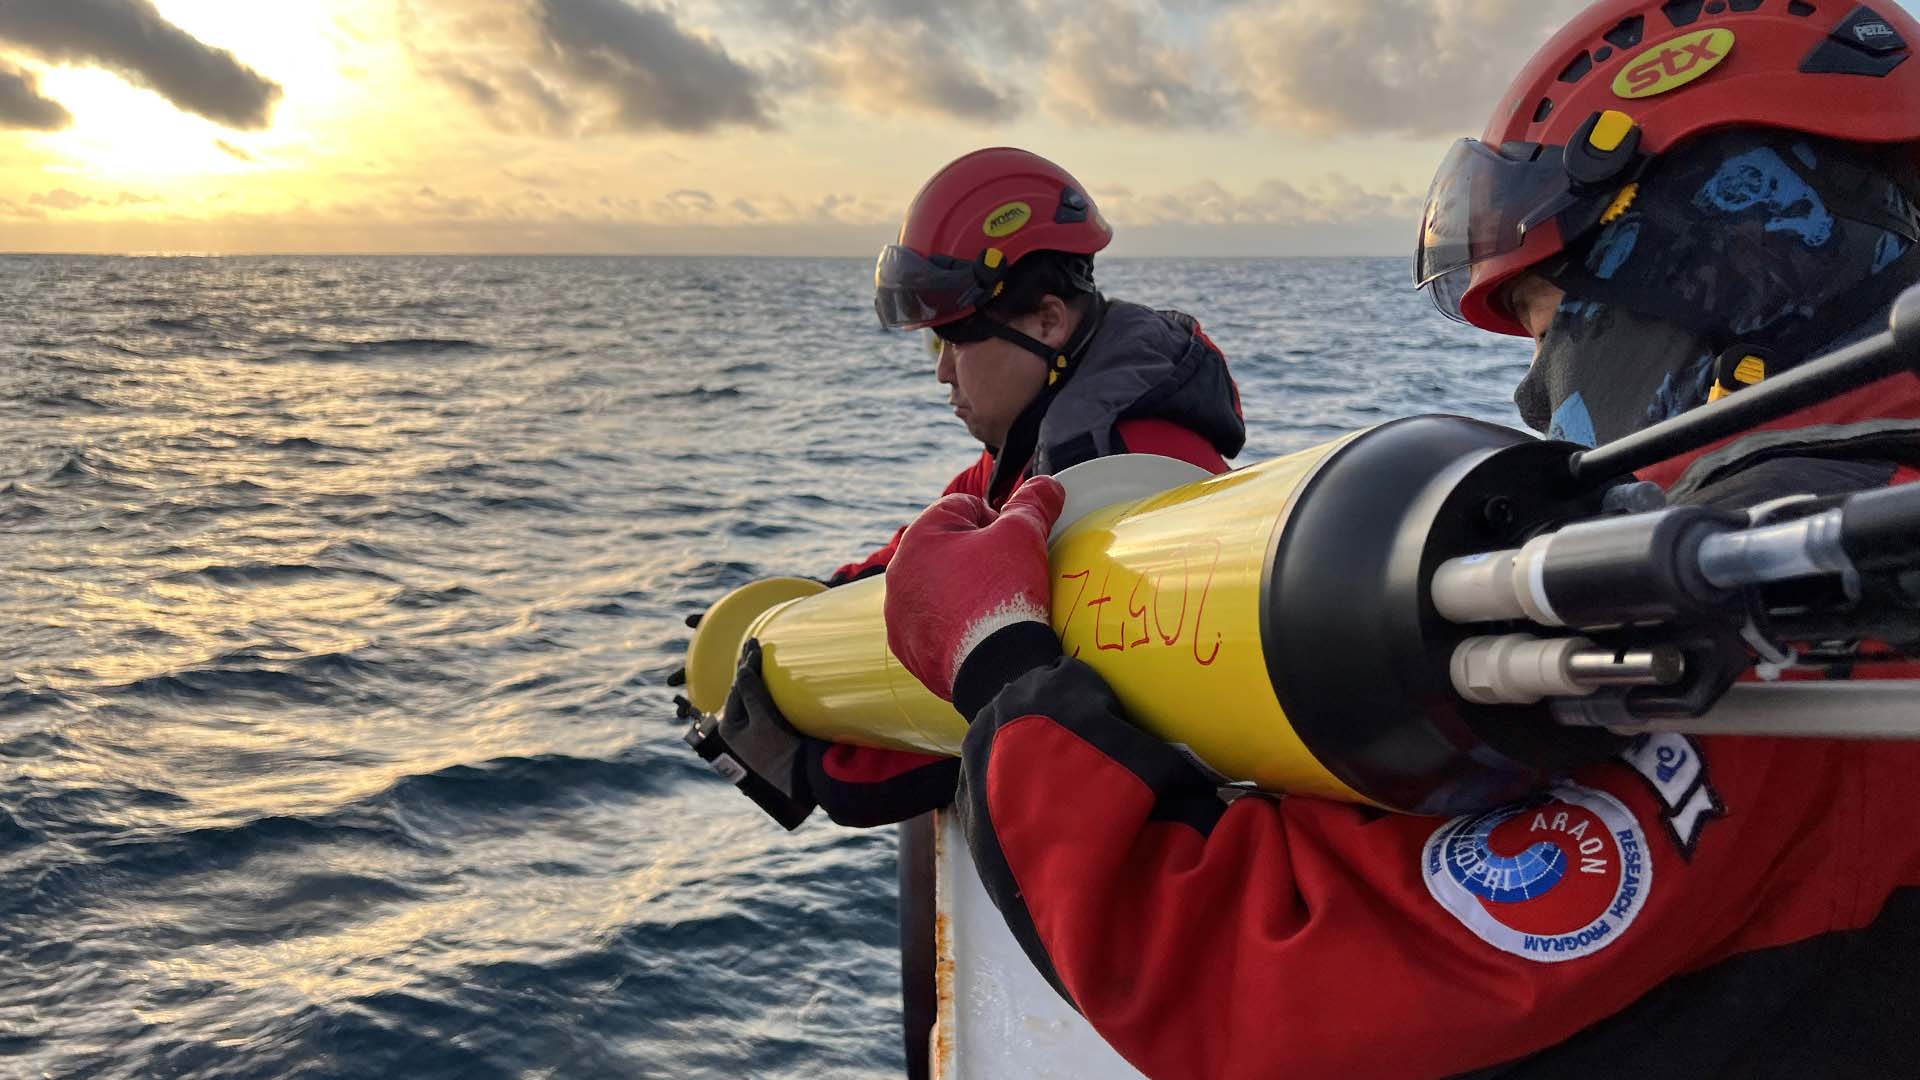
x=1102 y=482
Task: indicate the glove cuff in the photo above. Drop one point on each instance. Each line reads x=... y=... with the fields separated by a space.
x=1001 y=657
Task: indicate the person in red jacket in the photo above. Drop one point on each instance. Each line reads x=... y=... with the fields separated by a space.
x=1668 y=190
x=995 y=258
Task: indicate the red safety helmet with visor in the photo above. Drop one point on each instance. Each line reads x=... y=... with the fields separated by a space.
x=1628 y=80
x=970 y=225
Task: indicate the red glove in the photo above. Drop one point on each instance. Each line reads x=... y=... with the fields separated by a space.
x=968 y=593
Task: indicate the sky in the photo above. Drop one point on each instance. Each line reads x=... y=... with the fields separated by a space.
x=787 y=127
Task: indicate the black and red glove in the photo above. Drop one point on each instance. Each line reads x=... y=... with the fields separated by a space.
x=751 y=744
x=968 y=593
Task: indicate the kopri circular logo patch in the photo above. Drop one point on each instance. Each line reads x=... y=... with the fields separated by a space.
x=1554 y=878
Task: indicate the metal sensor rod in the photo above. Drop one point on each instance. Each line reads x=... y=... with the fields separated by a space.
x=1520 y=669
x=1809 y=547
x=1662 y=666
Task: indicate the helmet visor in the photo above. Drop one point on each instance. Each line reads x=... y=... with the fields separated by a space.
x=1480 y=206
x=911 y=290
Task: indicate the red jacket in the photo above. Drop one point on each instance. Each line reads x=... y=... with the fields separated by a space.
x=1700 y=907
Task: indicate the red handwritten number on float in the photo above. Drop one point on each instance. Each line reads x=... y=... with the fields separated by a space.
x=1100 y=605
x=1145 y=597
x=1201 y=615
x=1166 y=638
x=1084 y=576
x=1138 y=613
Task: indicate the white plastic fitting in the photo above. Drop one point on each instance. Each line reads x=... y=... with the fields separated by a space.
x=1517 y=669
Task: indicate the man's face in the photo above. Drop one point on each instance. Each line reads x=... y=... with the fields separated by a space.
x=1533 y=301
x=991 y=382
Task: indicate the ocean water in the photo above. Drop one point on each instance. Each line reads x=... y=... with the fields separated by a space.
x=340 y=595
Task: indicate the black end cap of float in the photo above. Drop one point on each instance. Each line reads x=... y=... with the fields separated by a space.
x=1357 y=655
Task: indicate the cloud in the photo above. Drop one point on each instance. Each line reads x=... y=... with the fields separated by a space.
x=513 y=97
x=232 y=151
x=694 y=207
x=1113 y=68
x=1333 y=199
x=658 y=75
x=131 y=39
x=14 y=211
x=569 y=67
x=696 y=200
x=21 y=105
x=880 y=69
x=429 y=203
x=1382 y=65
x=999 y=29
x=61 y=199
x=533 y=178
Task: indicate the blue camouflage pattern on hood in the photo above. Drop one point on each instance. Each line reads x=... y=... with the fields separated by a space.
x=1767 y=240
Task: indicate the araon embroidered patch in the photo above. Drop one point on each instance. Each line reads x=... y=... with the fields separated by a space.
x=1553 y=878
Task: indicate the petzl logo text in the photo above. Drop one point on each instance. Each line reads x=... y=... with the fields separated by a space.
x=1674 y=63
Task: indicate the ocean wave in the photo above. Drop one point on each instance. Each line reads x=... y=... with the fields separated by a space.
x=183 y=322
x=76 y=809
x=542 y=503
x=385 y=347
x=761 y=530
x=292 y=907
x=432 y=598
x=66 y=401
x=18 y=508
x=267 y=573
x=319 y=678
x=501 y=786
x=84 y=467
x=718 y=574
x=166 y=852
x=305 y=445
x=13 y=835
x=699 y=393
x=16 y=700
x=418 y=515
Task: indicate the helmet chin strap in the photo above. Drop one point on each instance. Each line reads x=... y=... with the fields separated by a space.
x=1059 y=361
x=1011 y=459
x=1034 y=345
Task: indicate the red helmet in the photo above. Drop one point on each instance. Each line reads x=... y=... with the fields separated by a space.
x=1627 y=81
x=970 y=224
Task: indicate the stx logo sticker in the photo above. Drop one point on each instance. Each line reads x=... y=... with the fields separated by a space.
x=1674 y=63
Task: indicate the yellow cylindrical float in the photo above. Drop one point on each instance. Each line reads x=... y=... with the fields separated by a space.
x=1272 y=622
x=1160 y=594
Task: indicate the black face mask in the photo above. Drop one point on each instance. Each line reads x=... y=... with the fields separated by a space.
x=1603 y=372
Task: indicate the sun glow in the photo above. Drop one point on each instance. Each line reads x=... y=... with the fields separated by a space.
x=128 y=136
x=131 y=140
